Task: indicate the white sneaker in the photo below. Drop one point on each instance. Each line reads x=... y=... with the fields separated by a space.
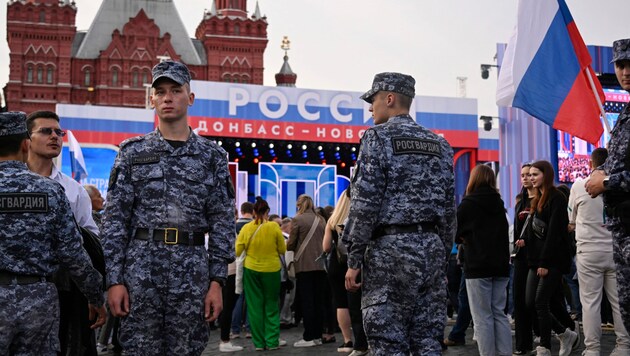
x=229 y=347
x=590 y=353
x=568 y=340
x=359 y=353
x=282 y=342
x=542 y=351
x=619 y=351
x=304 y=343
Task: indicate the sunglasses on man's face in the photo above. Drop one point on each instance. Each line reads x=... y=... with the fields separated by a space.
x=49 y=130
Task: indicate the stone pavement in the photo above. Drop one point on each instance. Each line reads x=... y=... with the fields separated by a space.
x=294 y=334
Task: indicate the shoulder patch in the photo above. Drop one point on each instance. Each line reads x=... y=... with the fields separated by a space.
x=23 y=202
x=413 y=145
x=145 y=159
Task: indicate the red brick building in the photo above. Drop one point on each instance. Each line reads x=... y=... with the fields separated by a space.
x=51 y=62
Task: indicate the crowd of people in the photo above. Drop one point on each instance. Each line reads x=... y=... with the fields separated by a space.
x=176 y=259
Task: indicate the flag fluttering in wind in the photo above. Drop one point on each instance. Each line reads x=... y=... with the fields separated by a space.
x=546 y=71
x=79 y=169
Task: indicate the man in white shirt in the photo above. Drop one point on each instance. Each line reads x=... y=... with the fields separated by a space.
x=46 y=144
x=595 y=265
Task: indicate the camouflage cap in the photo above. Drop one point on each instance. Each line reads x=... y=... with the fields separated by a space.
x=394 y=82
x=621 y=50
x=175 y=71
x=12 y=123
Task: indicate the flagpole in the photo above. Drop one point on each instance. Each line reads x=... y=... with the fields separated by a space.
x=599 y=100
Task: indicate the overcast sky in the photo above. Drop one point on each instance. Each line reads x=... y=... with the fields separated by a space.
x=341 y=44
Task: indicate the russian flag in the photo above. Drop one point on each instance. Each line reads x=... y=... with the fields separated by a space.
x=79 y=169
x=544 y=71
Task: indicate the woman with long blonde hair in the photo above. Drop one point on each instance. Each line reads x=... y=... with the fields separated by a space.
x=350 y=322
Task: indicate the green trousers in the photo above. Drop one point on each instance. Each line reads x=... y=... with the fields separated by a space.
x=262 y=293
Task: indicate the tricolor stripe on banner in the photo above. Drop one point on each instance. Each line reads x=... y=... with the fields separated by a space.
x=544 y=70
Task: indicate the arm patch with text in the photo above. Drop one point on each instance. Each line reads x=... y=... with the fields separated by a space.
x=23 y=202
x=412 y=145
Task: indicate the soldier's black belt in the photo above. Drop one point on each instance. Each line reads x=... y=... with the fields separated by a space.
x=405 y=229
x=172 y=236
x=7 y=278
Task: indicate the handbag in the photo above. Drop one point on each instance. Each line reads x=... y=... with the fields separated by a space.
x=330 y=259
x=240 y=260
x=539 y=227
x=291 y=265
x=94 y=249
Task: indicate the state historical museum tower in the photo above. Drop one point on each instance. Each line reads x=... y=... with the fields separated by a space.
x=110 y=64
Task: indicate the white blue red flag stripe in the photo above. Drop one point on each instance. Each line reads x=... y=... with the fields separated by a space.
x=79 y=169
x=544 y=70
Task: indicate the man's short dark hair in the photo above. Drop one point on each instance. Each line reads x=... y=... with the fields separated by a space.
x=247 y=208
x=10 y=144
x=42 y=114
x=405 y=101
x=599 y=156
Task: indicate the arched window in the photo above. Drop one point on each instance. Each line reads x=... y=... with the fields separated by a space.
x=49 y=75
x=237 y=30
x=40 y=74
x=115 y=77
x=42 y=16
x=134 y=78
x=145 y=77
x=29 y=73
x=87 y=77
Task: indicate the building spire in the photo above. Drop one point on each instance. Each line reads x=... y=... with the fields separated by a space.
x=286 y=77
x=257 y=11
x=213 y=9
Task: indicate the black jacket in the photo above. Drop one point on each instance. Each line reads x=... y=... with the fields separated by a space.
x=522 y=205
x=483 y=228
x=553 y=250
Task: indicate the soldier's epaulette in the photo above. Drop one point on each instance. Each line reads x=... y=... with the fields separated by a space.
x=130 y=140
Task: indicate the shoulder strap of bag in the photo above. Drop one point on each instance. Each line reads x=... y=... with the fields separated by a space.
x=254 y=235
x=525 y=226
x=307 y=239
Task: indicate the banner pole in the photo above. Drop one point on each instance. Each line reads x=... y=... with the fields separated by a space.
x=599 y=101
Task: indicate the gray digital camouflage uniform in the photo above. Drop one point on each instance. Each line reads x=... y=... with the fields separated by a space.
x=156 y=186
x=38 y=233
x=617 y=168
x=404 y=176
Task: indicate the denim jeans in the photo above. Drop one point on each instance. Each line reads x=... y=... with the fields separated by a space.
x=486 y=297
x=458 y=333
x=240 y=310
x=574 y=287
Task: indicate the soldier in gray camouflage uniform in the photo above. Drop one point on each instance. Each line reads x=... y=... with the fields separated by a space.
x=167 y=189
x=613 y=180
x=38 y=233
x=401 y=224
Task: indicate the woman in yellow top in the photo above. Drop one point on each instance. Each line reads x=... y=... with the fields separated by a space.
x=263 y=242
